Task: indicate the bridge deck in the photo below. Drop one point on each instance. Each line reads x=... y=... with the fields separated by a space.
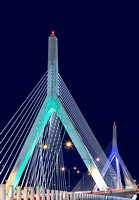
x=127 y=193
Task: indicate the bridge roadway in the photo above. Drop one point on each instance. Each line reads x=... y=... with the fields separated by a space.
x=126 y=193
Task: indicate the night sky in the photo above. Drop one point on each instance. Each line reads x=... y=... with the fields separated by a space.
x=98 y=61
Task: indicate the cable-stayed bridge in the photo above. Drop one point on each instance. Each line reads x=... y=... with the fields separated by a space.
x=32 y=141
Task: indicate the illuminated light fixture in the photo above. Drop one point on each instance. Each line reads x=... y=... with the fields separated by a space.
x=78 y=171
x=114 y=123
x=75 y=168
x=53 y=32
x=68 y=144
x=97 y=159
x=45 y=146
x=63 y=168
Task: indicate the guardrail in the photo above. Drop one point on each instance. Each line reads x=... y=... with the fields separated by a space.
x=45 y=194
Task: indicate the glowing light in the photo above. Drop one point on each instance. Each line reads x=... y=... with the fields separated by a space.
x=97 y=159
x=78 y=171
x=45 y=146
x=114 y=123
x=68 y=144
x=75 y=168
x=63 y=168
x=53 y=32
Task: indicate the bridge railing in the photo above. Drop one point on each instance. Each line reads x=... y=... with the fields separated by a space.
x=46 y=194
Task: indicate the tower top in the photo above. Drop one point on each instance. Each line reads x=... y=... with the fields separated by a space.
x=52 y=50
x=53 y=63
x=114 y=140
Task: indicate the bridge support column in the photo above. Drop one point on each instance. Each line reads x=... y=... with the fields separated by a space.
x=18 y=192
x=48 y=194
x=25 y=193
x=2 y=192
x=31 y=193
x=57 y=195
x=43 y=193
x=38 y=193
x=11 y=192
x=52 y=194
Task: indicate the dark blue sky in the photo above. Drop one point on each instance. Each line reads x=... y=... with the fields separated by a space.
x=98 y=60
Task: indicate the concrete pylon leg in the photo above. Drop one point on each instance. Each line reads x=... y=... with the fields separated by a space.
x=2 y=192
x=31 y=193
x=48 y=194
x=11 y=192
x=57 y=195
x=52 y=194
x=18 y=192
x=37 y=193
x=25 y=193
x=43 y=193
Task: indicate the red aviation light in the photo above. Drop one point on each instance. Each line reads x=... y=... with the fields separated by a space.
x=53 y=32
x=114 y=123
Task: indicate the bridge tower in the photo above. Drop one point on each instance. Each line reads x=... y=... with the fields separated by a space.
x=120 y=166
x=53 y=103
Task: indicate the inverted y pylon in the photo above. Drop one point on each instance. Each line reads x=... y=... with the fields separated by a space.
x=120 y=166
x=53 y=103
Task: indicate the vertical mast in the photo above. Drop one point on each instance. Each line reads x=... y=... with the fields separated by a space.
x=52 y=65
x=114 y=141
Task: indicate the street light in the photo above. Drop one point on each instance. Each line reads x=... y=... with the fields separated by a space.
x=64 y=169
x=45 y=146
x=97 y=159
x=68 y=144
